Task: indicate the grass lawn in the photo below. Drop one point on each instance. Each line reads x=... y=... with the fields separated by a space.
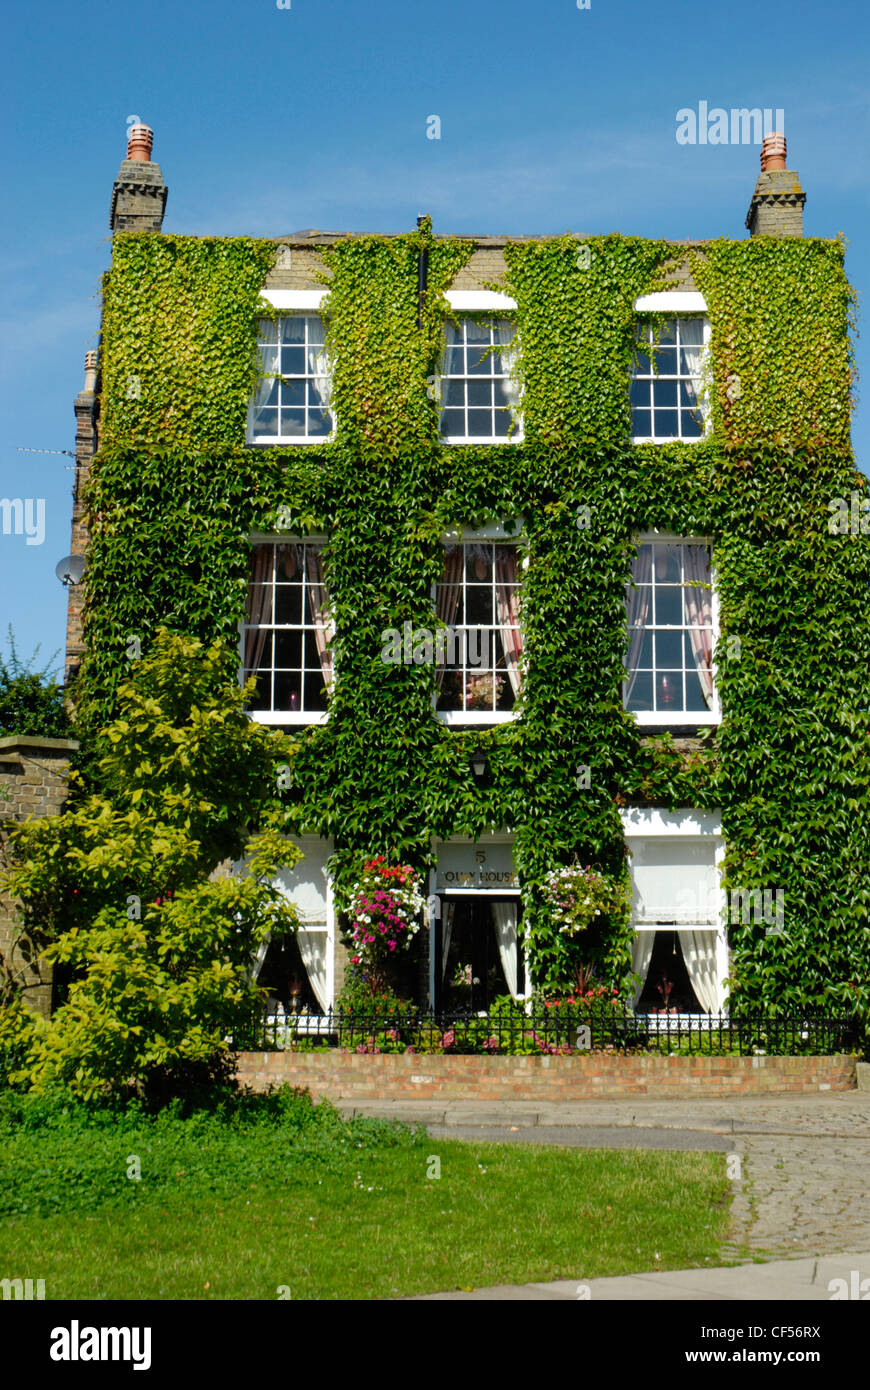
x=228 y=1211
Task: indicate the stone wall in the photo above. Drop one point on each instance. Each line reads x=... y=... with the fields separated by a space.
x=341 y=1075
x=33 y=776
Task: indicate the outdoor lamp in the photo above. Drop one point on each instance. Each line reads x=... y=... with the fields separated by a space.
x=479 y=763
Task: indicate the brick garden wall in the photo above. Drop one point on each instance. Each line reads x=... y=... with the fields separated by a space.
x=344 y=1076
x=33 y=782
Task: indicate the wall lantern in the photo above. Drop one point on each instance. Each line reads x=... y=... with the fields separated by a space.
x=479 y=764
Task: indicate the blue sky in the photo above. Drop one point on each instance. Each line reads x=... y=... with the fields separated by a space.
x=269 y=120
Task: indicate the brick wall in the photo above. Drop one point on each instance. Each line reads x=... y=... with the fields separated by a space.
x=33 y=781
x=342 y=1075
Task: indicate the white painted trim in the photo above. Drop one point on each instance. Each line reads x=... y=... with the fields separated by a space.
x=278 y=718
x=474 y=716
x=652 y=820
x=492 y=531
x=294 y=299
x=648 y=718
x=472 y=301
x=667 y=301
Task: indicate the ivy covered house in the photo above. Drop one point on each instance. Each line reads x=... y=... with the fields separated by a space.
x=536 y=546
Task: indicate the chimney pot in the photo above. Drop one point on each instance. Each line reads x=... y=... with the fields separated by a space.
x=140 y=143
x=90 y=371
x=773 y=152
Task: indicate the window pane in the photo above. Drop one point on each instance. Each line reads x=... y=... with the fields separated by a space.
x=288 y=690
x=293 y=330
x=664 y=394
x=502 y=423
x=668 y=606
x=479 y=424
x=666 y=564
x=267 y=331
x=288 y=603
x=258 y=604
x=476 y=332
x=478 y=564
x=666 y=424
x=639 y=393
x=694 y=695
x=454 y=361
x=669 y=650
x=453 y=423
x=292 y=422
x=669 y=691
x=641 y=423
x=453 y=392
x=293 y=393
x=665 y=361
x=292 y=361
x=479 y=361
x=667 y=331
x=288 y=649
x=480 y=393
x=641 y=692
x=319 y=423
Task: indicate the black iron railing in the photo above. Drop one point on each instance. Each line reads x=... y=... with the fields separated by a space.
x=562 y=1030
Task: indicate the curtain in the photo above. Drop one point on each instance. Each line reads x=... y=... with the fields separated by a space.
x=313 y=949
x=699 y=610
x=317 y=363
x=504 y=919
x=508 y=611
x=504 y=334
x=691 y=343
x=447 y=598
x=448 y=911
x=641 y=955
x=266 y=392
x=262 y=951
x=699 y=953
x=324 y=627
x=259 y=606
x=638 y=611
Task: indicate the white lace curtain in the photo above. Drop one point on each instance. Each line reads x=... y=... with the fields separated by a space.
x=699 y=953
x=691 y=343
x=505 y=335
x=504 y=919
x=506 y=594
x=641 y=955
x=313 y=947
x=699 y=613
x=638 y=611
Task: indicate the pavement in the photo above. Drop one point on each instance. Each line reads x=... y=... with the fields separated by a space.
x=800 y=1215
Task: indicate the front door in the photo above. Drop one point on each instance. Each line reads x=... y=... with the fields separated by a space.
x=469 y=972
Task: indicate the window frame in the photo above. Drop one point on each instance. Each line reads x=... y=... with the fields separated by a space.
x=698 y=827
x=494 y=534
x=678 y=304
x=484 y=307
x=282 y=718
x=682 y=718
x=307 y=304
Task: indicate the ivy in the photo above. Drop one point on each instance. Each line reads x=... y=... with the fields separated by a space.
x=175 y=495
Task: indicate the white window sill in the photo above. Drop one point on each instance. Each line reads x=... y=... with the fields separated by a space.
x=280 y=717
x=273 y=439
x=668 y=439
x=681 y=717
x=481 y=439
x=474 y=716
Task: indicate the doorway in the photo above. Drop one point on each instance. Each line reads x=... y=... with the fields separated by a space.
x=478 y=956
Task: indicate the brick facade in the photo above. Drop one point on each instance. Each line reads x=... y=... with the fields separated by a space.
x=777 y=207
x=33 y=774
x=338 y=1075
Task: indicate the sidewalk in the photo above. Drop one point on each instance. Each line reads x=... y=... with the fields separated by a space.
x=786 y=1281
x=803 y=1196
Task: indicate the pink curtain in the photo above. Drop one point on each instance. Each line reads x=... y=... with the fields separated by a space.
x=638 y=611
x=259 y=608
x=448 y=592
x=508 y=610
x=324 y=627
x=699 y=613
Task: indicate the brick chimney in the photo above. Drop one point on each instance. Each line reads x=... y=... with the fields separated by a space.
x=777 y=207
x=139 y=194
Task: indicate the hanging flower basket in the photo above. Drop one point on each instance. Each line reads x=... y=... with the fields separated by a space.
x=386 y=909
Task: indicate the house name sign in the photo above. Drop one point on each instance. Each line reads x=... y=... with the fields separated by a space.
x=488 y=868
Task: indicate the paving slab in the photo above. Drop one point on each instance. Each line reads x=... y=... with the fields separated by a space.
x=789 y=1281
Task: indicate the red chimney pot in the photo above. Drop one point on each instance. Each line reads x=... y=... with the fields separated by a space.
x=140 y=142
x=773 y=152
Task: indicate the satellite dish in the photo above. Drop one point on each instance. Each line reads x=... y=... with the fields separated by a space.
x=70 y=570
